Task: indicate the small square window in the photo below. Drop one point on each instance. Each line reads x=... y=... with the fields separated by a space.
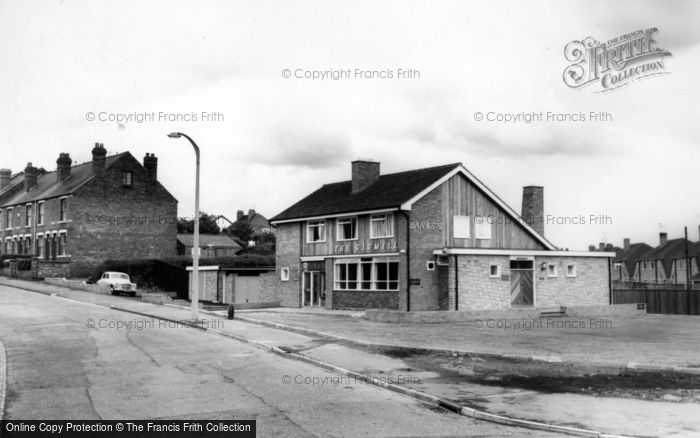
x=316 y=231
x=430 y=265
x=571 y=270
x=494 y=271
x=552 y=270
x=482 y=229
x=127 y=179
x=284 y=274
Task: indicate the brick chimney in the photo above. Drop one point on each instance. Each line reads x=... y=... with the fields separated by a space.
x=591 y=248
x=150 y=163
x=533 y=207
x=364 y=174
x=5 y=177
x=239 y=215
x=63 y=165
x=663 y=239
x=99 y=160
x=251 y=213
x=601 y=247
x=626 y=243
x=30 y=176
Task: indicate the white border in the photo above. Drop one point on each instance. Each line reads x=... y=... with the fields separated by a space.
x=521 y=252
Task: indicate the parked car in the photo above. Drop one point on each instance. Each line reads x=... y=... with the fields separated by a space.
x=118 y=282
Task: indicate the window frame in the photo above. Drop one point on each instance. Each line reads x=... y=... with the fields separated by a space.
x=389 y=217
x=61 y=244
x=127 y=179
x=554 y=274
x=284 y=273
x=8 y=218
x=575 y=270
x=338 y=228
x=481 y=227
x=391 y=283
x=309 y=224
x=63 y=209
x=498 y=270
x=464 y=222
x=40 y=212
x=28 y=215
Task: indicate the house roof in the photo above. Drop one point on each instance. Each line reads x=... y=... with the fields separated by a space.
x=217 y=240
x=257 y=222
x=391 y=191
x=631 y=255
x=673 y=249
x=48 y=185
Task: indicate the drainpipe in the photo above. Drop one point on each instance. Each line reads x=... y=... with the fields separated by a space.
x=456 y=282
x=610 y=288
x=408 y=259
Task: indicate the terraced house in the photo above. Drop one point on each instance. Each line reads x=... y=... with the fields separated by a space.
x=77 y=216
x=427 y=239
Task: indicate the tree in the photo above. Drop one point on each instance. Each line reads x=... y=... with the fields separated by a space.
x=241 y=231
x=207 y=224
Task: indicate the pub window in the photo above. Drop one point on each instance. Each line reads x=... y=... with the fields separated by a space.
x=571 y=270
x=127 y=179
x=552 y=270
x=482 y=229
x=367 y=274
x=347 y=228
x=40 y=213
x=28 y=216
x=495 y=271
x=381 y=225
x=461 y=227
x=316 y=231
x=63 y=209
x=284 y=274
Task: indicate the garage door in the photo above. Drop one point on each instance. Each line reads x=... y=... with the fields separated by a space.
x=247 y=289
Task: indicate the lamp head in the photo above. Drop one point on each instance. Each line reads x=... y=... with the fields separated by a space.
x=174 y=135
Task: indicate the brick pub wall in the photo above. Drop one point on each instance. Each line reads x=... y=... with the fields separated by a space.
x=589 y=287
x=287 y=255
x=478 y=291
x=95 y=235
x=428 y=295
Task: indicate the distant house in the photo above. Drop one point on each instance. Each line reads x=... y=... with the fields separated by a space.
x=76 y=217
x=257 y=222
x=625 y=260
x=212 y=245
x=661 y=264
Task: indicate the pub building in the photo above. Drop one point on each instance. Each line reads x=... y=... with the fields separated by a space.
x=427 y=239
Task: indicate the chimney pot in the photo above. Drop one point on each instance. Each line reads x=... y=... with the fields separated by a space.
x=30 y=176
x=626 y=243
x=663 y=239
x=150 y=163
x=63 y=165
x=99 y=160
x=239 y=215
x=533 y=207
x=5 y=178
x=364 y=174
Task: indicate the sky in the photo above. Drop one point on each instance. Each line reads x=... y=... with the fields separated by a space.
x=270 y=140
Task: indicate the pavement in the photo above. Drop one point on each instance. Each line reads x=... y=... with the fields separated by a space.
x=642 y=341
x=561 y=413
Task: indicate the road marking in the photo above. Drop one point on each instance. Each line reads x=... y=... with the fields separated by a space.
x=3 y=379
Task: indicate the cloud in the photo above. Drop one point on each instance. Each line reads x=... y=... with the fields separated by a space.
x=314 y=150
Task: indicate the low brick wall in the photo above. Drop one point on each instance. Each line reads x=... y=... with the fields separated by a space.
x=263 y=305
x=435 y=317
x=156 y=298
x=79 y=284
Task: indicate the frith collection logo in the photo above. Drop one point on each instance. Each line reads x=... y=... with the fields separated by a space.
x=615 y=63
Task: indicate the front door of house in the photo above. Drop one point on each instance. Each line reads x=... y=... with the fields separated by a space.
x=521 y=283
x=314 y=288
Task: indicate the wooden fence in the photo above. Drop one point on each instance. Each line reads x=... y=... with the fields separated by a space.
x=666 y=301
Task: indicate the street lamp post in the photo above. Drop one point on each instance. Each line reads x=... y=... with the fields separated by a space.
x=195 y=245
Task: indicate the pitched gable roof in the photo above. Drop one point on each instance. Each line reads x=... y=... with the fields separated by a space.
x=631 y=255
x=391 y=191
x=217 y=240
x=673 y=249
x=48 y=185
